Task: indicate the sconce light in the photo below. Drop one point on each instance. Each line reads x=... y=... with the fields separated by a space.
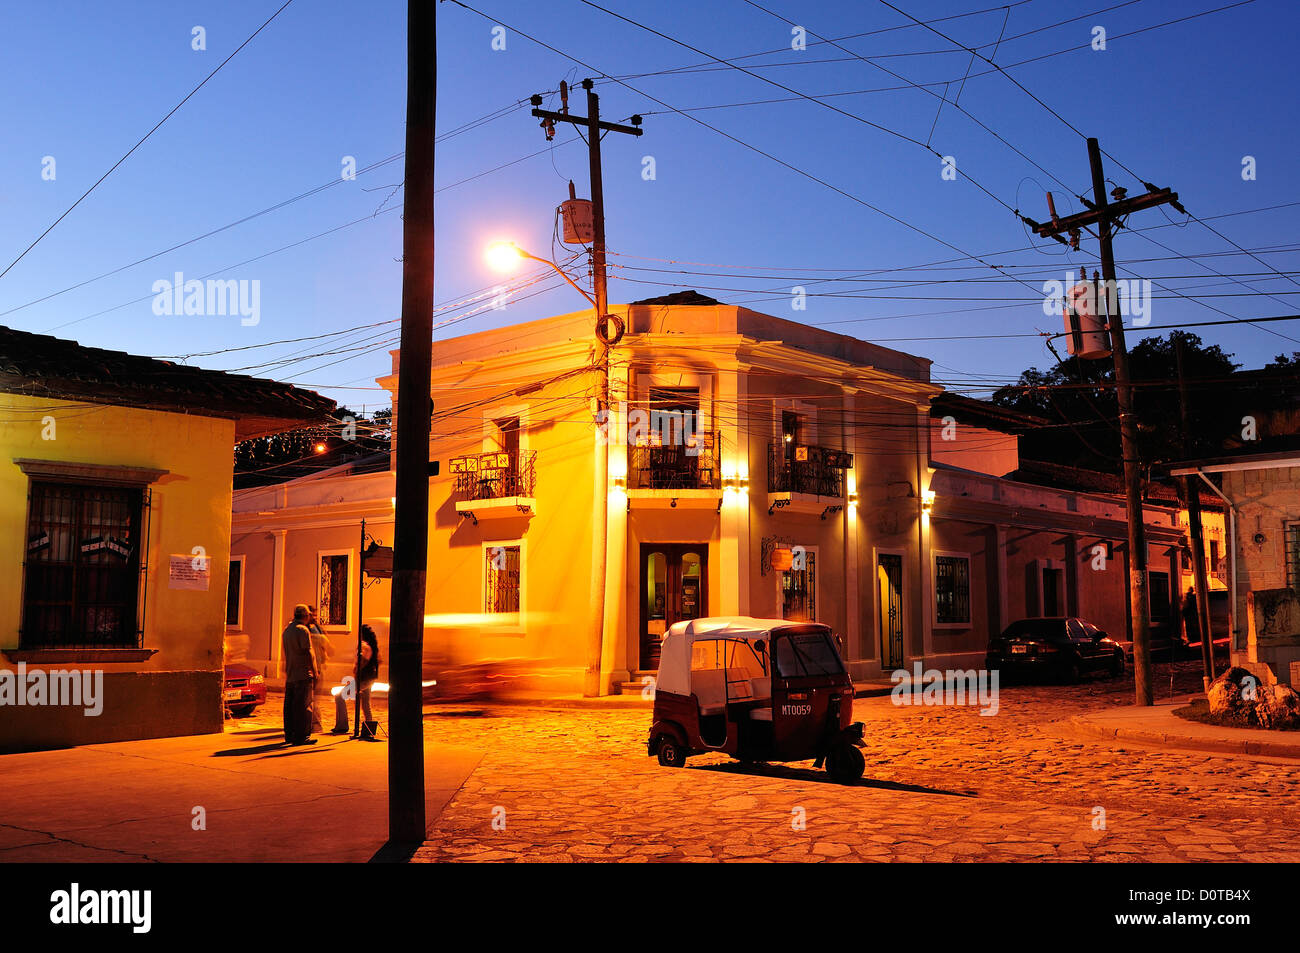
x=853 y=498
x=927 y=501
x=620 y=483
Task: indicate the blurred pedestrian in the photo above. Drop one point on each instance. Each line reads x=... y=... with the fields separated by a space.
x=364 y=672
x=300 y=673
x=322 y=650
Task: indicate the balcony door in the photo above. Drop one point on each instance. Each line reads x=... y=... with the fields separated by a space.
x=673 y=588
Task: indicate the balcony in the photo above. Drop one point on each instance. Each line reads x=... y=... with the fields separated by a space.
x=496 y=484
x=806 y=477
x=686 y=475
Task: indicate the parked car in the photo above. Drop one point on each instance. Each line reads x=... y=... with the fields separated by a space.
x=244 y=690
x=1059 y=646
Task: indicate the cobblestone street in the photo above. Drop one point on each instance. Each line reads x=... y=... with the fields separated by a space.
x=941 y=784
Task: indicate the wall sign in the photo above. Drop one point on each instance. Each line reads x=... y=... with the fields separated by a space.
x=183 y=574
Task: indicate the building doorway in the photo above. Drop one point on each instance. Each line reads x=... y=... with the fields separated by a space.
x=889 y=581
x=674 y=587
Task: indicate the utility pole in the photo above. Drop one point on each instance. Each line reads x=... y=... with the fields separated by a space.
x=1192 y=493
x=406 y=820
x=604 y=341
x=1105 y=216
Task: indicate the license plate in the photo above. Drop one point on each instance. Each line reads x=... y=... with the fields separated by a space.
x=234 y=694
x=1019 y=649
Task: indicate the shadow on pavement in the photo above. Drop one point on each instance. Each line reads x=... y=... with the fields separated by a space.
x=820 y=777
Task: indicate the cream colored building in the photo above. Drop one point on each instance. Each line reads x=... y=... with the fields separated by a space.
x=756 y=466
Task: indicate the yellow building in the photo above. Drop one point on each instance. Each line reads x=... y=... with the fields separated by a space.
x=756 y=466
x=115 y=478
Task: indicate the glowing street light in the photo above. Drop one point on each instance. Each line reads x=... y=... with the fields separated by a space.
x=505 y=256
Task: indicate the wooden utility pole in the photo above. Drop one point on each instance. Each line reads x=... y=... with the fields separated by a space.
x=604 y=340
x=1192 y=494
x=1104 y=216
x=406 y=821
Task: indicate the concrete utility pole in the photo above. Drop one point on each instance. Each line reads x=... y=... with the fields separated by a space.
x=1192 y=494
x=604 y=341
x=1104 y=215
x=406 y=821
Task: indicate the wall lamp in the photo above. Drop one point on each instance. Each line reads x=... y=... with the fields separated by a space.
x=927 y=501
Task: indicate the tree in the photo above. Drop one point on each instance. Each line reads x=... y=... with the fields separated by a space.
x=1078 y=397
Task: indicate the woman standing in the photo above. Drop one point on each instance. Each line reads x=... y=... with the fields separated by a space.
x=364 y=672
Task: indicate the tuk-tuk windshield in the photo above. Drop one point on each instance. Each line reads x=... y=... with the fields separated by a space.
x=806 y=653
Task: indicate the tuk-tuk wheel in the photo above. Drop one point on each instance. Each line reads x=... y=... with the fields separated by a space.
x=845 y=763
x=671 y=754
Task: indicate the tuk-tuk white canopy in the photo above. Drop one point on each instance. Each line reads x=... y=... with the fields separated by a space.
x=675 y=654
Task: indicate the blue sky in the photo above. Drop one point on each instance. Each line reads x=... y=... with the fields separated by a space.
x=1179 y=105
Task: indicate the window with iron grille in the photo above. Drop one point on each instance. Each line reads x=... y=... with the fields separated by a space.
x=501 y=594
x=952 y=590
x=799 y=591
x=1291 y=540
x=81 y=575
x=332 y=601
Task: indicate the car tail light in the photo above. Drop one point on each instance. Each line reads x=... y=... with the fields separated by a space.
x=798 y=696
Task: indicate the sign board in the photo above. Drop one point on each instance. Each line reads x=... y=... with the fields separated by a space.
x=377 y=561
x=188 y=572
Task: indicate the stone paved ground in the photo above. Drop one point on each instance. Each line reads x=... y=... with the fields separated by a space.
x=941 y=784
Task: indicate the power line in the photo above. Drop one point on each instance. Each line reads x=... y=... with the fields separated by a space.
x=145 y=137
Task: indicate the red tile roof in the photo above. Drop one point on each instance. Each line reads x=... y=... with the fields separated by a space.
x=43 y=366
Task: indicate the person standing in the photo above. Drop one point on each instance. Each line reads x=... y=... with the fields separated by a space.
x=322 y=650
x=364 y=673
x=300 y=673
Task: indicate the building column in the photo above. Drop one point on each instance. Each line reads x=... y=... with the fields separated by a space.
x=1004 y=594
x=615 y=665
x=278 y=620
x=733 y=530
x=925 y=587
x=852 y=601
x=1071 y=575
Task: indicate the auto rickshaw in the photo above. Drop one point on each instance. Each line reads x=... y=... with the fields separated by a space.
x=757 y=690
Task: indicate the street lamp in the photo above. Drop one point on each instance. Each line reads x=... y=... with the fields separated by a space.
x=505 y=256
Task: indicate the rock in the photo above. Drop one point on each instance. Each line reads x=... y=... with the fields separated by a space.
x=1227 y=698
x=1278 y=706
x=1239 y=696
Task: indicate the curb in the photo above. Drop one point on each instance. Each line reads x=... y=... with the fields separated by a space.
x=1218 y=745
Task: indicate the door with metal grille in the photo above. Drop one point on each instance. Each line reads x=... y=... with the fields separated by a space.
x=889 y=576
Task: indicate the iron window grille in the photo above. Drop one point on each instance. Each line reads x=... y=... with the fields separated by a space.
x=83 y=578
x=502 y=590
x=333 y=607
x=1291 y=541
x=952 y=590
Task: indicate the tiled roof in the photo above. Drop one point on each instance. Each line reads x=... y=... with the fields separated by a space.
x=680 y=298
x=983 y=413
x=1062 y=477
x=44 y=366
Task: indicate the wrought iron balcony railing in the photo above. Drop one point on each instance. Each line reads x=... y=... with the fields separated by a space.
x=817 y=471
x=689 y=466
x=495 y=476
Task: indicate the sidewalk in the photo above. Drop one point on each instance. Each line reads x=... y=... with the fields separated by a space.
x=136 y=800
x=1158 y=725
